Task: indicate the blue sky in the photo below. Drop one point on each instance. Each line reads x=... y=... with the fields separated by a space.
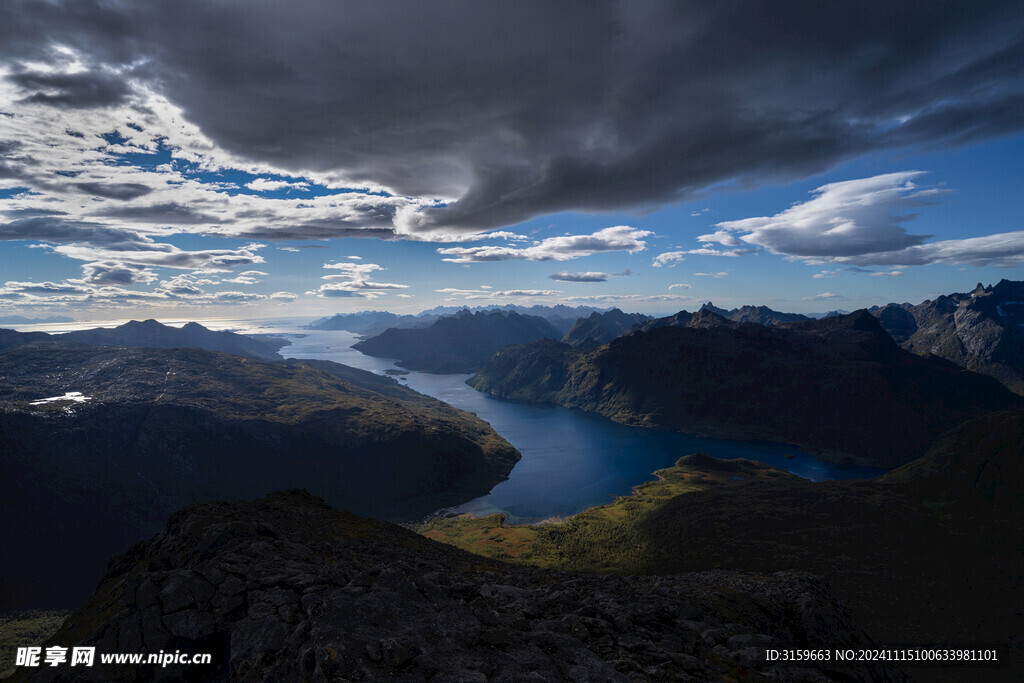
x=636 y=168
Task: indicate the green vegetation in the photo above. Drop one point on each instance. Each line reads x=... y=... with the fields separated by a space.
x=29 y=628
x=928 y=553
x=606 y=538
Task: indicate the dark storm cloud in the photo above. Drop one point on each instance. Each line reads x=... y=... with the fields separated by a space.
x=75 y=91
x=120 y=274
x=319 y=230
x=122 y=191
x=519 y=109
x=55 y=229
x=169 y=212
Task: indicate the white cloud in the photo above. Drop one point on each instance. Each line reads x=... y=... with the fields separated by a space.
x=843 y=219
x=1001 y=249
x=242 y=280
x=680 y=285
x=860 y=222
x=116 y=273
x=824 y=296
x=669 y=258
x=354 y=281
x=164 y=255
x=891 y=273
x=266 y=185
x=717 y=276
x=827 y=274
x=589 y=276
x=526 y=292
x=561 y=248
x=723 y=237
x=626 y=298
x=182 y=290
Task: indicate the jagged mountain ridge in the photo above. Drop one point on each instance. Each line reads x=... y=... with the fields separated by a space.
x=982 y=330
x=761 y=315
x=459 y=343
x=157 y=429
x=601 y=328
x=840 y=386
x=286 y=588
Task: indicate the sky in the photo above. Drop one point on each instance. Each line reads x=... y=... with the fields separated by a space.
x=206 y=158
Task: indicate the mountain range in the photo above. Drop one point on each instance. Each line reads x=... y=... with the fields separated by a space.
x=982 y=330
x=601 y=328
x=369 y=323
x=761 y=315
x=839 y=387
x=153 y=334
x=461 y=343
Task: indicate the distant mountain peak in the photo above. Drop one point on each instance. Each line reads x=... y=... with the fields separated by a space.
x=982 y=330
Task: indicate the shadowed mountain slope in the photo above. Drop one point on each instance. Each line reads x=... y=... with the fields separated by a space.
x=839 y=386
x=601 y=328
x=459 y=343
x=156 y=429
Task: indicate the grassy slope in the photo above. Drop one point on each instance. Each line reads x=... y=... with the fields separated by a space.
x=917 y=558
x=28 y=628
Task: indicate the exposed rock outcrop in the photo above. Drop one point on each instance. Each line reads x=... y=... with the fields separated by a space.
x=982 y=330
x=287 y=588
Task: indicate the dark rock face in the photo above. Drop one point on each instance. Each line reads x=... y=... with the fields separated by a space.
x=459 y=343
x=286 y=588
x=152 y=334
x=839 y=386
x=165 y=428
x=601 y=328
x=981 y=330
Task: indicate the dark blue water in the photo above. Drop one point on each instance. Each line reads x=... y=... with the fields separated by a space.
x=571 y=460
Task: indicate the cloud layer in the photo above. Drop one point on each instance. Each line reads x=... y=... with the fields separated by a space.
x=860 y=222
x=561 y=248
x=532 y=108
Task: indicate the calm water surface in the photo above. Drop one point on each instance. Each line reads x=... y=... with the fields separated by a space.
x=571 y=461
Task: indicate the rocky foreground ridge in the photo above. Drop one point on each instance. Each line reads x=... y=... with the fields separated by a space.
x=287 y=588
x=839 y=387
